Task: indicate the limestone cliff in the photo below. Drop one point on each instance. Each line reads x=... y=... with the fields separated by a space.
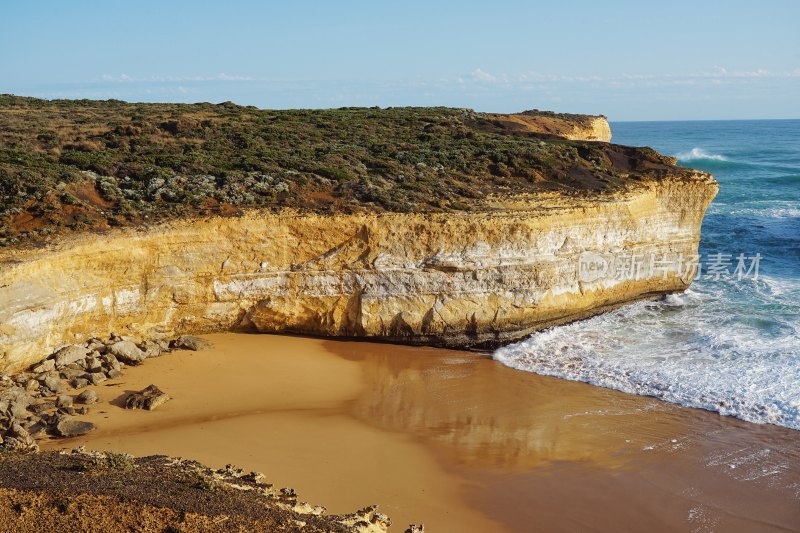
x=417 y=225
x=566 y=126
x=492 y=275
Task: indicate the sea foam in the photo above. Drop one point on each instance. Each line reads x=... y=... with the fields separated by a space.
x=673 y=350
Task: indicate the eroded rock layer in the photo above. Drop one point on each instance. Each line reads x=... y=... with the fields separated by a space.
x=510 y=267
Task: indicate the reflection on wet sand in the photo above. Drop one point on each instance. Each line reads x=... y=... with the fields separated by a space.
x=564 y=456
x=489 y=415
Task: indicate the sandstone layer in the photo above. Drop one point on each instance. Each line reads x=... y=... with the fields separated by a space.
x=572 y=127
x=513 y=265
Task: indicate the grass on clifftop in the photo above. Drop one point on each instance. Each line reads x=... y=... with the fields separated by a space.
x=71 y=165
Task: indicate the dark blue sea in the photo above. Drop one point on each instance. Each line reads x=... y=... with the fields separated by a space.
x=731 y=343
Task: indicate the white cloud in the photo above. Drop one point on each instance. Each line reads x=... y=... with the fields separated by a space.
x=481 y=75
x=219 y=77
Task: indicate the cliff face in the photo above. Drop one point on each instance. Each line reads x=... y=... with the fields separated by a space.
x=510 y=267
x=565 y=126
x=418 y=225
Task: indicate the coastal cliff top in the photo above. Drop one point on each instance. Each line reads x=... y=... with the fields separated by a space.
x=78 y=165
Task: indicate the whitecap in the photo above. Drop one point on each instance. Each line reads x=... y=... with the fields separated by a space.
x=692 y=355
x=698 y=154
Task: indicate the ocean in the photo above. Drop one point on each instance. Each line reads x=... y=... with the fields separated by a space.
x=731 y=342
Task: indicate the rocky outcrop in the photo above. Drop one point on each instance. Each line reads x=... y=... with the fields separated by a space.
x=512 y=265
x=565 y=126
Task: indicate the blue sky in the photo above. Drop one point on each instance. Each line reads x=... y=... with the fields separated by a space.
x=630 y=60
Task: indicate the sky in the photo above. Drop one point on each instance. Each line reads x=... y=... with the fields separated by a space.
x=628 y=60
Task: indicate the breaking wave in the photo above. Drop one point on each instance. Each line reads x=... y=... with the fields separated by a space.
x=698 y=154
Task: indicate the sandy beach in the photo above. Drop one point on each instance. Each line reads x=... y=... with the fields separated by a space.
x=453 y=439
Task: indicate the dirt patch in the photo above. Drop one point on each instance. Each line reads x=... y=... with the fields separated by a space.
x=81 y=491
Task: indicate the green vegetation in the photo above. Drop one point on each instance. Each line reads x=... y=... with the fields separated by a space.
x=69 y=165
x=112 y=461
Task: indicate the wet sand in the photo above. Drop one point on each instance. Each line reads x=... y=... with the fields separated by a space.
x=453 y=439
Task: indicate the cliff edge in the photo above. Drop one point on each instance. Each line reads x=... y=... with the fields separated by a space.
x=433 y=225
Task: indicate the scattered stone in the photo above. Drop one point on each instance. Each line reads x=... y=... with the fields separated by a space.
x=148 y=398
x=415 y=528
x=18 y=438
x=87 y=397
x=93 y=363
x=381 y=520
x=69 y=354
x=53 y=384
x=67 y=411
x=113 y=373
x=32 y=385
x=190 y=342
x=64 y=401
x=96 y=345
x=255 y=477
x=36 y=429
x=288 y=493
x=128 y=352
x=69 y=427
x=163 y=344
x=21 y=378
x=151 y=349
x=41 y=407
x=79 y=383
x=109 y=359
x=72 y=373
x=97 y=377
x=82 y=410
x=14 y=402
x=45 y=366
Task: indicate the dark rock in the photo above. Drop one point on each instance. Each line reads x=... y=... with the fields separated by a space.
x=53 y=384
x=64 y=401
x=72 y=373
x=113 y=373
x=110 y=362
x=37 y=429
x=69 y=427
x=148 y=398
x=87 y=397
x=79 y=383
x=82 y=410
x=41 y=407
x=190 y=342
x=128 y=352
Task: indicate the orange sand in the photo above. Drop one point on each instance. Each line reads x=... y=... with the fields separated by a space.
x=453 y=439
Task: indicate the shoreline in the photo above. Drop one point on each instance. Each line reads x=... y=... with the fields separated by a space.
x=418 y=430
